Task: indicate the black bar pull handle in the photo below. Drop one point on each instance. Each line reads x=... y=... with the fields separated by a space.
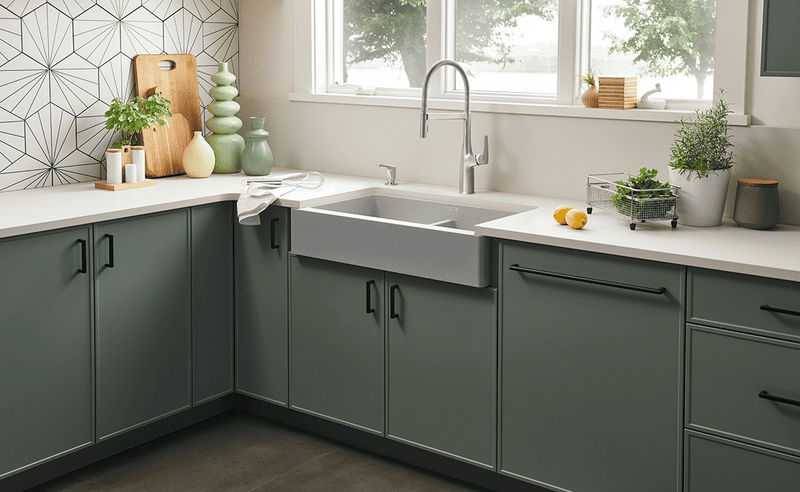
x=637 y=288
x=778 y=310
x=392 y=311
x=110 y=263
x=778 y=399
x=82 y=269
x=370 y=309
x=272 y=232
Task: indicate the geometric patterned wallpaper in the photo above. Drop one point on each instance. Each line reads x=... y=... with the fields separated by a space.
x=63 y=61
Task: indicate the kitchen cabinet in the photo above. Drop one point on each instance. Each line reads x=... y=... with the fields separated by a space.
x=441 y=367
x=262 y=312
x=590 y=370
x=143 y=319
x=369 y=345
x=337 y=342
x=742 y=398
x=45 y=347
x=212 y=301
x=778 y=36
x=715 y=464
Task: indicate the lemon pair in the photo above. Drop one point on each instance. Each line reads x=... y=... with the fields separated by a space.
x=566 y=215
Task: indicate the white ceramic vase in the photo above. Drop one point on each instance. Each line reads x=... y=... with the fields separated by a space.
x=701 y=201
x=198 y=158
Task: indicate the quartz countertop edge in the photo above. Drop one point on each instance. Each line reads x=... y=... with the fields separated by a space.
x=772 y=253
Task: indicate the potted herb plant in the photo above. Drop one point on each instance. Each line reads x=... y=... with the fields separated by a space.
x=590 y=97
x=701 y=163
x=134 y=116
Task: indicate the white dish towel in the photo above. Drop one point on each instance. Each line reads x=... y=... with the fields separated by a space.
x=255 y=199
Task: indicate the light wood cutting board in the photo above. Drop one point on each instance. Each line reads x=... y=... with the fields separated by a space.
x=164 y=147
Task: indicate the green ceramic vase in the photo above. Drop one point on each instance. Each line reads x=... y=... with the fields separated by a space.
x=257 y=157
x=227 y=144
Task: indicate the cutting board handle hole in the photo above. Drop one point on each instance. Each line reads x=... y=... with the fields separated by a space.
x=166 y=65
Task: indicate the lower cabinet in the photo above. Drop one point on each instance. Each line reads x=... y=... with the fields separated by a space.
x=441 y=367
x=337 y=342
x=262 y=313
x=409 y=358
x=212 y=301
x=591 y=351
x=45 y=347
x=143 y=329
x=715 y=464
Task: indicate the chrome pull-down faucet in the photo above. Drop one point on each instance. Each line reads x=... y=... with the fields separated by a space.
x=466 y=174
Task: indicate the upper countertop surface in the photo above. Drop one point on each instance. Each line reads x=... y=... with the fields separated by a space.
x=774 y=253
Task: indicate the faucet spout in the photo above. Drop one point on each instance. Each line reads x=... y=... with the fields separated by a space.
x=468 y=159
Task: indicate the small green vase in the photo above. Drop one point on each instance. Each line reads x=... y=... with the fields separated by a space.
x=257 y=157
x=227 y=144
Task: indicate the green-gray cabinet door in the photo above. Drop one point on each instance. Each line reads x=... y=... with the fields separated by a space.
x=45 y=347
x=590 y=373
x=261 y=256
x=441 y=367
x=143 y=298
x=337 y=342
x=212 y=301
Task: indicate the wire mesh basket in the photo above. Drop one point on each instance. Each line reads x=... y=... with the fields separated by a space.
x=636 y=205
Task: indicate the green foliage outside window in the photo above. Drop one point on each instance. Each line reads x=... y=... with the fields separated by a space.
x=393 y=30
x=672 y=37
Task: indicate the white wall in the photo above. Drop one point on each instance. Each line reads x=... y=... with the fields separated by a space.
x=536 y=155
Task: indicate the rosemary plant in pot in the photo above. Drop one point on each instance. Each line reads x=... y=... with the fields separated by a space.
x=700 y=164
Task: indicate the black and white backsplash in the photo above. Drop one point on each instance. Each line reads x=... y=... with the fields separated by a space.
x=63 y=61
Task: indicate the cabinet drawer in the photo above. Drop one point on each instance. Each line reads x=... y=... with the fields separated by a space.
x=728 y=371
x=714 y=464
x=575 y=268
x=745 y=303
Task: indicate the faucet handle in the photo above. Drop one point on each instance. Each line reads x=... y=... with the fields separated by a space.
x=483 y=158
x=391 y=173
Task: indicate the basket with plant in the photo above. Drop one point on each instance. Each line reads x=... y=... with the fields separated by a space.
x=640 y=198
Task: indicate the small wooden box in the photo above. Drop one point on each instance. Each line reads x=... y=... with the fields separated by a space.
x=617 y=92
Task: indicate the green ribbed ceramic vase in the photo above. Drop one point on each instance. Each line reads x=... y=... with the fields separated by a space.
x=227 y=144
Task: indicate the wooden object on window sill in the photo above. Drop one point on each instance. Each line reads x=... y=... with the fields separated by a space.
x=617 y=92
x=102 y=185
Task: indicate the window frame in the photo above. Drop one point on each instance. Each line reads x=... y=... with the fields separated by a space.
x=313 y=52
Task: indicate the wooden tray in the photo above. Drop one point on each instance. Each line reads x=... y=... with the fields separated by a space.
x=164 y=147
x=102 y=185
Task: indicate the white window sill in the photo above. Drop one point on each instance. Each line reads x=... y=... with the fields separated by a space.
x=511 y=108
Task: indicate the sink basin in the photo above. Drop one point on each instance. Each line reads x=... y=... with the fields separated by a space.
x=411 y=236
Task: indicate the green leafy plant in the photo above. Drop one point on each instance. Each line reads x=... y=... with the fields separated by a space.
x=645 y=185
x=589 y=78
x=703 y=145
x=137 y=114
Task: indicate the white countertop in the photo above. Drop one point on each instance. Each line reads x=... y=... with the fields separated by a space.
x=774 y=253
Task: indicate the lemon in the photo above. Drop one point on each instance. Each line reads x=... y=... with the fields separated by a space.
x=560 y=214
x=576 y=218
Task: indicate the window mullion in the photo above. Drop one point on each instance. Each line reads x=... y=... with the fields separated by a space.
x=438 y=38
x=568 y=15
x=335 y=29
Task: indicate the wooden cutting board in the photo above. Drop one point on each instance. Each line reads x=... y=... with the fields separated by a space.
x=164 y=147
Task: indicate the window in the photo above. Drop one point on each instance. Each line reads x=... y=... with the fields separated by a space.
x=666 y=42
x=522 y=52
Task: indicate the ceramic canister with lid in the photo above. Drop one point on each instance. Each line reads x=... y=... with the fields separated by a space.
x=757 y=204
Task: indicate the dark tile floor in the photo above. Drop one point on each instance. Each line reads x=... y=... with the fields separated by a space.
x=238 y=452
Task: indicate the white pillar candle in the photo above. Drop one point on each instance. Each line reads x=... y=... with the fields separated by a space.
x=137 y=158
x=114 y=166
x=131 y=173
